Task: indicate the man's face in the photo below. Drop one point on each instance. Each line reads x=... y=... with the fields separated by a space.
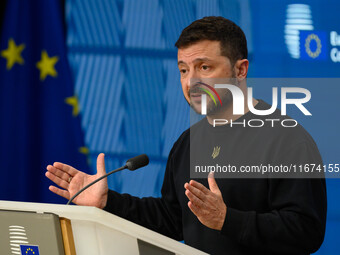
x=203 y=60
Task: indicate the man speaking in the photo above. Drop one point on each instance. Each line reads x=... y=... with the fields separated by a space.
x=225 y=215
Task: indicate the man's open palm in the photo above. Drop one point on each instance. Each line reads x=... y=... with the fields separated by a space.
x=71 y=180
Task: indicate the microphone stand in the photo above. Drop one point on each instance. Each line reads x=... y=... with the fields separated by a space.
x=95 y=181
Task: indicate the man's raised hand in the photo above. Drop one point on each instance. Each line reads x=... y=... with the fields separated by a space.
x=206 y=204
x=71 y=180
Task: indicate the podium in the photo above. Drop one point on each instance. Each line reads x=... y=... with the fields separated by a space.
x=84 y=230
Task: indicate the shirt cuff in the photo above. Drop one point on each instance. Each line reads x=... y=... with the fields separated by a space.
x=235 y=224
x=112 y=201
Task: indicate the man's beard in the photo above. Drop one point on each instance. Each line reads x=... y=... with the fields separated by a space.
x=212 y=108
x=226 y=99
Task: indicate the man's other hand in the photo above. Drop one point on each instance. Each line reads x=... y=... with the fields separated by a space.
x=206 y=204
x=70 y=181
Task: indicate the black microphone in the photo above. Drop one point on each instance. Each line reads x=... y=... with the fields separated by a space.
x=137 y=162
x=132 y=164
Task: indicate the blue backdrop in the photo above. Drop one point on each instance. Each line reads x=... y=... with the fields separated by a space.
x=124 y=71
x=39 y=120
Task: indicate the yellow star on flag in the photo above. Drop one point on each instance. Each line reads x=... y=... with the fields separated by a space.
x=46 y=65
x=73 y=101
x=84 y=150
x=13 y=54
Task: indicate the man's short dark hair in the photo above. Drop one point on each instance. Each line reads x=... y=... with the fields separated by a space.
x=231 y=37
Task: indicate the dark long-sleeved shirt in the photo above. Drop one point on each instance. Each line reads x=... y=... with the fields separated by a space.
x=264 y=215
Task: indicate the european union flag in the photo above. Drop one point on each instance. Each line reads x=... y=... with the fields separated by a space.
x=29 y=249
x=313 y=45
x=39 y=113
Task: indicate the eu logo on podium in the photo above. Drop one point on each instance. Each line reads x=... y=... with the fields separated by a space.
x=29 y=249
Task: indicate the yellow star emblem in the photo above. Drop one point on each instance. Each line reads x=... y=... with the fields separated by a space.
x=73 y=101
x=84 y=150
x=46 y=65
x=13 y=54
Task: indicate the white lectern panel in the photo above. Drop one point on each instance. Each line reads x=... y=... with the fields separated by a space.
x=98 y=232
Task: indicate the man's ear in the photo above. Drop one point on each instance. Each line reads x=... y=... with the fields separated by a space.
x=241 y=69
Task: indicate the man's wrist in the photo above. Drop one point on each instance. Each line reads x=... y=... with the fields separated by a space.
x=223 y=218
x=103 y=202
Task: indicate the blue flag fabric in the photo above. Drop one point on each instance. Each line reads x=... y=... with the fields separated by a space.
x=39 y=114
